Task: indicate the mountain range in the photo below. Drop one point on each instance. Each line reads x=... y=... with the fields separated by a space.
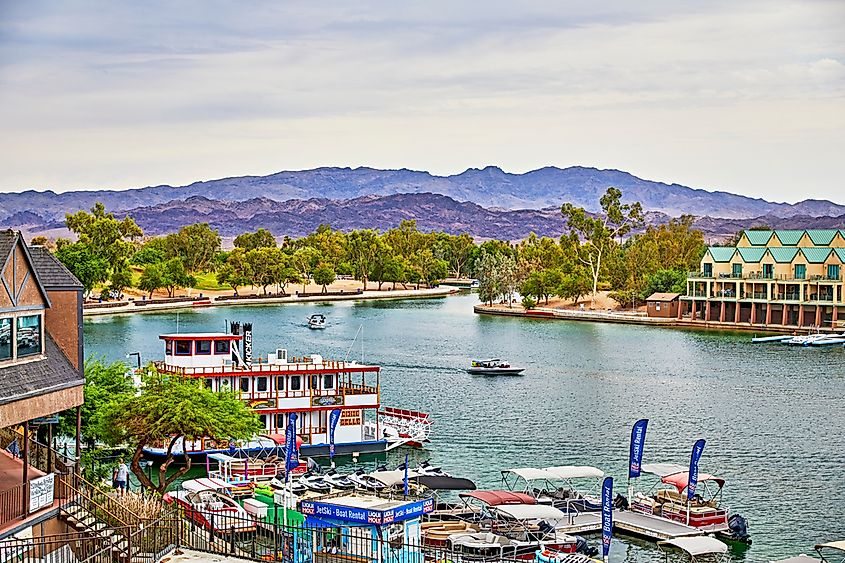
x=485 y=202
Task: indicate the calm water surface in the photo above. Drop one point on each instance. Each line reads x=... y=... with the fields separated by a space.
x=772 y=415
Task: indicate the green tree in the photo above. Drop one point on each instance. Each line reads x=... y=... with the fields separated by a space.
x=195 y=245
x=169 y=409
x=174 y=275
x=262 y=238
x=364 y=246
x=265 y=266
x=120 y=279
x=152 y=279
x=666 y=281
x=89 y=268
x=542 y=284
x=324 y=275
x=431 y=268
x=107 y=237
x=152 y=252
x=574 y=284
x=592 y=237
x=234 y=271
x=304 y=261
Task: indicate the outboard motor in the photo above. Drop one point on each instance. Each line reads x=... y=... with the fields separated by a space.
x=620 y=502
x=545 y=527
x=582 y=547
x=739 y=529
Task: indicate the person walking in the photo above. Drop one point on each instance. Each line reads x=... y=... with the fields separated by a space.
x=121 y=477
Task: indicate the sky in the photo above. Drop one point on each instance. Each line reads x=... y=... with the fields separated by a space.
x=746 y=97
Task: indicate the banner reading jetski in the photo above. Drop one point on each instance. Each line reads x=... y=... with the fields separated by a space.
x=292 y=455
x=637 y=443
x=692 y=481
x=606 y=516
x=334 y=417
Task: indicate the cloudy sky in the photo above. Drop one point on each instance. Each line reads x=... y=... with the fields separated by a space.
x=747 y=97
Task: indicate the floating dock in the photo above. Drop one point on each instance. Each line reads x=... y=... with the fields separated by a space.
x=634 y=523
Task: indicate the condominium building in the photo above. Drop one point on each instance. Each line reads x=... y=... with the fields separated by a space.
x=789 y=278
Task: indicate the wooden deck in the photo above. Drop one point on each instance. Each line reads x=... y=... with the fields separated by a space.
x=633 y=523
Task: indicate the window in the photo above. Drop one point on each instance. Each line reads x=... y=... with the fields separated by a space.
x=209 y=383
x=260 y=383
x=708 y=270
x=280 y=421
x=280 y=383
x=262 y=418
x=833 y=271
x=5 y=339
x=225 y=384
x=313 y=381
x=768 y=271
x=295 y=383
x=168 y=348
x=736 y=270
x=28 y=335
x=245 y=384
x=203 y=347
x=800 y=271
x=328 y=381
x=183 y=347
x=221 y=347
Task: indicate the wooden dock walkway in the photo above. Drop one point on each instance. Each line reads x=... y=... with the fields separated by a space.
x=634 y=523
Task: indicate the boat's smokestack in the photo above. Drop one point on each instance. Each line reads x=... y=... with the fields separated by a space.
x=235 y=330
x=248 y=345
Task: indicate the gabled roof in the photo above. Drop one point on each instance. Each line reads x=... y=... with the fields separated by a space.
x=758 y=238
x=840 y=252
x=789 y=237
x=822 y=237
x=9 y=239
x=663 y=297
x=816 y=255
x=783 y=254
x=751 y=254
x=51 y=271
x=721 y=253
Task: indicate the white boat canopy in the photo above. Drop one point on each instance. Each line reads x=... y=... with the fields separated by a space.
x=838 y=545
x=663 y=469
x=798 y=559
x=391 y=478
x=205 y=484
x=532 y=474
x=575 y=471
x=530 y=511
x=697 y=545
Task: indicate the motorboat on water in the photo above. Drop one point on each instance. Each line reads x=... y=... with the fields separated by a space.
x=317 y=321
x=558 y=486
x=704 y=511
x=492 y=366
x=815 y=340
x=699 y=549
x=209 y=503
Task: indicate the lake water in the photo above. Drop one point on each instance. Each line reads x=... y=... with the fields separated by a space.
x=772 y=415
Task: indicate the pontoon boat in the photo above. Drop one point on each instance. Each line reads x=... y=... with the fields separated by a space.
x=555 y=485
x=701 y=549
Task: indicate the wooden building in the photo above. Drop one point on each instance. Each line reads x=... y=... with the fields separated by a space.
x=664 y=305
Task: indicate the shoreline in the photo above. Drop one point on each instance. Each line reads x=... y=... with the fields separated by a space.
x=626 y=318
x=369 y=295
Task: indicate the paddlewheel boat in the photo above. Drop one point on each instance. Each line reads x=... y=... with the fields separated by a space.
x=279 y=385
x=209 y=503
x=704 y=511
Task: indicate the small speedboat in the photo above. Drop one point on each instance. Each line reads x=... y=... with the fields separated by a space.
x=365 y=482
x=315 y=483
x=493 y=366
x=209 y=503
x=338 y=481
x=317 y=321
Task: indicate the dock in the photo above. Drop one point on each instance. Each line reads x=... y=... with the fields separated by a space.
x=633 y=523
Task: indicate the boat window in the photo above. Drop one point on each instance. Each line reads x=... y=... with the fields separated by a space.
x=261 y=384
x=280 y=383
x=221 y=347
x=5 y=339
x=313 y=381
x=328 y=381
x=203 y=347
x=168 y=348
x=28 y=335
x=183 y=347
x=295 y=383
x=245 y=384
x=280 y=421
x=262 y=418
x=209 y=383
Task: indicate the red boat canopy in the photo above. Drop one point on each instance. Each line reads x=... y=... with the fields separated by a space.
x=497 y=498
x=681 y=480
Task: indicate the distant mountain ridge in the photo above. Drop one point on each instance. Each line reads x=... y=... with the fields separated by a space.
x=490 y=187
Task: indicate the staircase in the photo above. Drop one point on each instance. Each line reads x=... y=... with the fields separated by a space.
x=84 y=522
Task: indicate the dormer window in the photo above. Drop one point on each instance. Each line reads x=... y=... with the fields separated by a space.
x=29 y=335
x=5 y=339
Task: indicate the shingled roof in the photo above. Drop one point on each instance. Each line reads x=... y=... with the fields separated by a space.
x=52 y=273
x=53 y=373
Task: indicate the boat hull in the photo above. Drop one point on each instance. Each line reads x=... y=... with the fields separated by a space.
x=495 y=371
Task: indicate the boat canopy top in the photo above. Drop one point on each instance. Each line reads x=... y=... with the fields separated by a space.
x=205 y=484
x=489 y=360
x=837 y=545
x=798 y=559
x=391 y=478
x=317 y=316
x=678 y=475
x=499 y=498
x=697 y=545
x=531 y=474
x=575 y=471
x=444 y=483
x=531 y=512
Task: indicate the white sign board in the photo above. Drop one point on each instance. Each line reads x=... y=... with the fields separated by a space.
x=41 y=492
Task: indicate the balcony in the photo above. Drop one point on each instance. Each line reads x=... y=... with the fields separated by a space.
x=755 y=295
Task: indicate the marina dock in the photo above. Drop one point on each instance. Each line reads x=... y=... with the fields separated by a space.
x=634 y=523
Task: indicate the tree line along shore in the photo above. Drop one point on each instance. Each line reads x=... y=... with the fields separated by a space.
x=610 y=253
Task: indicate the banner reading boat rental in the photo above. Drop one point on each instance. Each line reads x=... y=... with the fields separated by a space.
x=334 y=417
x=637 y=443
x=292 y=455
x=606 y=516
x=692 y=481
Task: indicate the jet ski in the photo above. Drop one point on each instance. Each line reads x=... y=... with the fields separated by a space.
x=314 y=483
x=295 y=486
x=425 y=468
x=338 y=481
x=364 y=482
